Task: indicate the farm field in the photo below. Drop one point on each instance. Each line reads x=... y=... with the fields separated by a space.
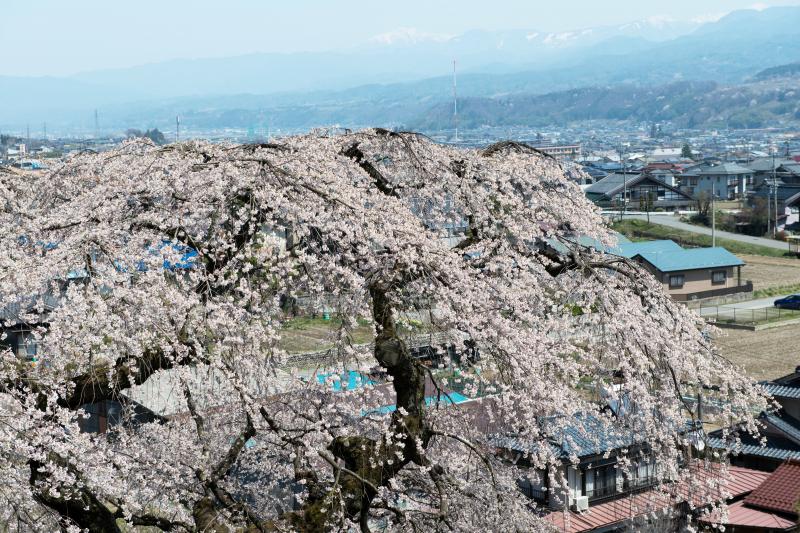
x=768 y=273
x=302 y=334
x=765 y=354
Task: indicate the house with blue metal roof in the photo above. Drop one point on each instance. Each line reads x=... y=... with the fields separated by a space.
x=631 y=249
x=689 y=273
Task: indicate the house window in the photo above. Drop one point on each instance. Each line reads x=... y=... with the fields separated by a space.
x=676 y=281
x=642 y=475
x=718 y=277
x=26 y=346
x=600 y=482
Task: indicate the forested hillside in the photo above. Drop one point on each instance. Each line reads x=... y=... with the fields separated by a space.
x=686 y=104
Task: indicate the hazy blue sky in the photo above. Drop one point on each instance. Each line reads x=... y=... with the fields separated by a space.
x=56 y=37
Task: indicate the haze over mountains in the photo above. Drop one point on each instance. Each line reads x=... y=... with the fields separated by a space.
x=404 y=77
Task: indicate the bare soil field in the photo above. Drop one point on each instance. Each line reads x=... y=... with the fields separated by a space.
x=765 y=354
x=302 y=335
x=766 y=272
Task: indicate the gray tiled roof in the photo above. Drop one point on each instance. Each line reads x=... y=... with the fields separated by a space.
x=786 y=424
x=585 y=435
x=12 y=312
x=766 y=163
x=785 y=191
x=781 y=391
x=705 y=169
x=613 y=182
x=754 y=449
x=794 y=168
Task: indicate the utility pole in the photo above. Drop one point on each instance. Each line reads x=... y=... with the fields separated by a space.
x=713 y=219
x=455 y=100
x=769 y=204
x=177 y=128
x=624 y=183
x=775 y=184
x=96 y=125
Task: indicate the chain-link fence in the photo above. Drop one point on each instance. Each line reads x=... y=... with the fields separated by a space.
x=747 y=317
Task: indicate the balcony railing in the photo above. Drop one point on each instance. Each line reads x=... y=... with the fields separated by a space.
x=602 y=493
x=630 y=486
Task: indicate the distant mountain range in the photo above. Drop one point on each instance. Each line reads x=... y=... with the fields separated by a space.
x=393 y=79
x=687 y=104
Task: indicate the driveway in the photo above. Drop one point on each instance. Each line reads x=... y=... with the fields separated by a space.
x=673 y=222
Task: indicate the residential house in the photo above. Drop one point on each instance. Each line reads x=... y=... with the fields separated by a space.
x=636 y=188
x=667 y=176
x=765 y=167
x=788 y=201
x=727 y=181
x=595 y=175
x=662 y=153
x=689 y=273
x=770 y=508
x=596 y=476
x=651 y=510
x=602 y=495
x=780 y=435
x=20 y=319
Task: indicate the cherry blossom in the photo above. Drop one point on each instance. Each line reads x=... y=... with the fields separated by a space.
x=156 y=277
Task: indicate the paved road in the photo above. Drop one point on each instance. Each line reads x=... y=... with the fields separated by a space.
x=749 y=304
x=673 y=222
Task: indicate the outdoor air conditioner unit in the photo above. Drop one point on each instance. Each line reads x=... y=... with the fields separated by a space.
x=581 y=504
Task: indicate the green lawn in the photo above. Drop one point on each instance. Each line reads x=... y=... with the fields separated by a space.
x=640 y=230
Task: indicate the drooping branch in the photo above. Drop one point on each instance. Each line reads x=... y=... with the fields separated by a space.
x=383 y=184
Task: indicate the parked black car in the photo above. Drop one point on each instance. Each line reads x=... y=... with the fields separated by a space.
x=790 y=302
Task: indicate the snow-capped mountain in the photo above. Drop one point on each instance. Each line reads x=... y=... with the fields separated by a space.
x=416 y=64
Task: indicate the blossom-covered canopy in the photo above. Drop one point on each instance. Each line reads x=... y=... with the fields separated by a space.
x=166 y=271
